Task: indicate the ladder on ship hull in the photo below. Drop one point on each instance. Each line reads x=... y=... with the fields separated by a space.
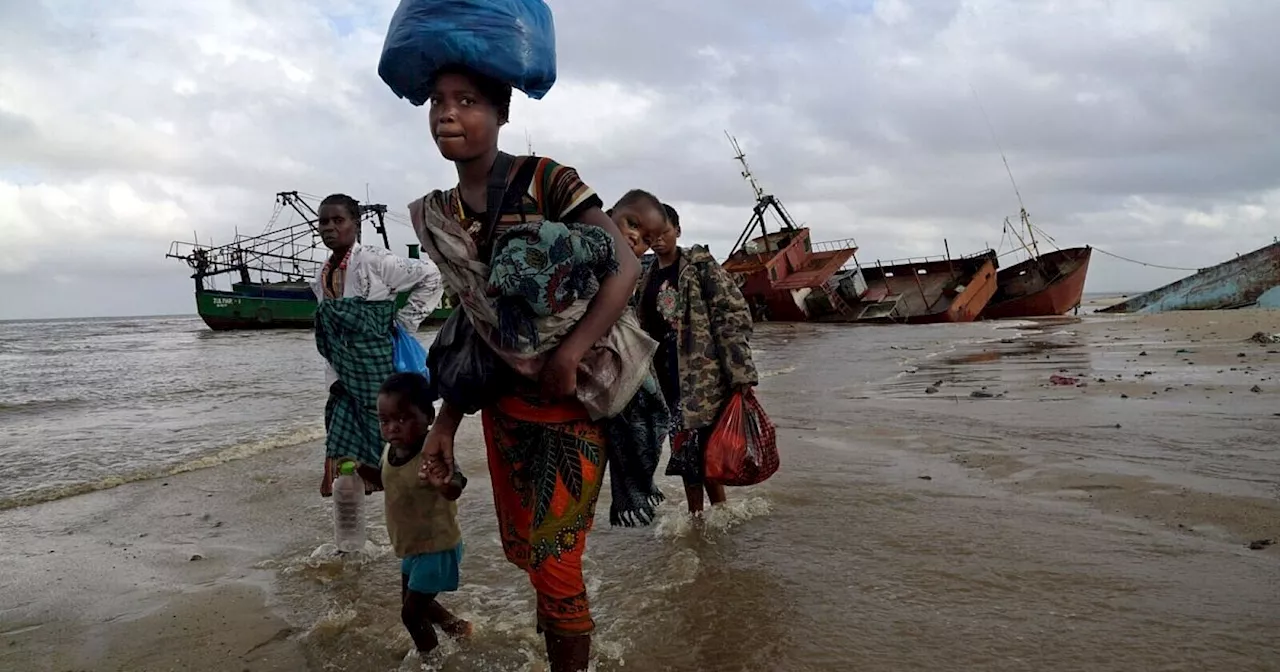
x=832 y=292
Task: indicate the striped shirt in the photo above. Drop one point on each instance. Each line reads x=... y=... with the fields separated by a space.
x=539 y=190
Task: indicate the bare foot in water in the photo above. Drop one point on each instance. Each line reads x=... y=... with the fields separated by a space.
x=458 y=628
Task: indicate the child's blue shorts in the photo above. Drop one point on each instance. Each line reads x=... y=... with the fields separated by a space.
x=433 y=573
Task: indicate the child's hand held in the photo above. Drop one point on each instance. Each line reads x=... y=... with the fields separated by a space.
x=437 y=458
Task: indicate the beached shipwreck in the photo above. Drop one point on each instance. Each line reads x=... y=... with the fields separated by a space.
x=1046 y=284
x=785 y=276
x=1043 y=285
x=1249 y=280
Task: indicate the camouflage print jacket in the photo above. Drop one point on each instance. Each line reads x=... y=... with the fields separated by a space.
x=713 y=327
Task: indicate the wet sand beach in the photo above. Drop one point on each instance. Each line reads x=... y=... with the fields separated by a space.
x=944 y=502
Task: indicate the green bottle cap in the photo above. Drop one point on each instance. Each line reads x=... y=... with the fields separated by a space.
x=346 y=468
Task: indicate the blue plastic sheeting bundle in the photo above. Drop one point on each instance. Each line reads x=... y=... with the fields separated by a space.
x=513 y=41
x=407 y=353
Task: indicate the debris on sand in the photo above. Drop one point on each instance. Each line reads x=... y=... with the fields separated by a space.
x=1259 y=544
x=982 y=394
x=1264 y=338
x=1063 y=380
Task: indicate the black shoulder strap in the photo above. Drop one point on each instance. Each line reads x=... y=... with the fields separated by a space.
x=496 y=193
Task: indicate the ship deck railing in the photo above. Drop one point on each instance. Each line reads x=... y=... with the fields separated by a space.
x=908 y=261
x=834 y=245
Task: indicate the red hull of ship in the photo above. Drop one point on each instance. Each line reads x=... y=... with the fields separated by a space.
x=1059 y=296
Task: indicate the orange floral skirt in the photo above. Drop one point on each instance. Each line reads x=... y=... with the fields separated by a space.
x=547 y=464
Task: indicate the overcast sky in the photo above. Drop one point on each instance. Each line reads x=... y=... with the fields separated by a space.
x=1145 y=128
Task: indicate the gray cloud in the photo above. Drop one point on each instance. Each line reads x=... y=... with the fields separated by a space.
x=1147 y=128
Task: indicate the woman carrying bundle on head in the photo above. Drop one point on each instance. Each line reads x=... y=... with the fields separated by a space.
x=543 y=293
x=691 y=306
x=357 y=288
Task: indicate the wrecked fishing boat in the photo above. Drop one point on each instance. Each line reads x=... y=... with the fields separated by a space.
x=786 y=277
x=782 y=274
x=1043 y=285
x=1248 y=280
x=916 y=291
x=1046 y=285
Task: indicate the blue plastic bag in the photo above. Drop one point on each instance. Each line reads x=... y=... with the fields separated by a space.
x=409 y=355
x=513 y=41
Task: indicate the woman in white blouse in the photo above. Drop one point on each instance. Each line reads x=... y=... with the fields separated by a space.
x=365 y=281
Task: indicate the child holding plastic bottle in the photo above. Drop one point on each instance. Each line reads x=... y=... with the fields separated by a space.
x=422 y=520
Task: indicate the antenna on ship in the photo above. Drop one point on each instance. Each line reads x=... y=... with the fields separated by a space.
x=528 y=142
x=746 y=169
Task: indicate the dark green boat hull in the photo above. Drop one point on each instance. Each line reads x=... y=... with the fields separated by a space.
x=227 y=311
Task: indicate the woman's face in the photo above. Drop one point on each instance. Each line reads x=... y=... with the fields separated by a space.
x=631 y=220
x=337 y=227
x=464 y=124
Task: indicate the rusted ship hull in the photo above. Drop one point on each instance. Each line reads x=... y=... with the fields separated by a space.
x=1236 y=283
x=777 y=280
x=919 y=292
x=1049 y=285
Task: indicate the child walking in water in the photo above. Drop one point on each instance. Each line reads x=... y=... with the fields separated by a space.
x=422 y=520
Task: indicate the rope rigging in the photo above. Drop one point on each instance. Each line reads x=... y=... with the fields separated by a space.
x=1143 y=263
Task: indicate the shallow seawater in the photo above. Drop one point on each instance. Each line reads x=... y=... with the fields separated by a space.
x=89 y=404
x=874 y=548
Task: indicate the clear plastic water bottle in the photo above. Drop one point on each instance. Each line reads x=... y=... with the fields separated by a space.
x=348 y=509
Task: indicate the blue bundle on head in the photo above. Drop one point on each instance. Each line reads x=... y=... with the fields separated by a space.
x=512 y=41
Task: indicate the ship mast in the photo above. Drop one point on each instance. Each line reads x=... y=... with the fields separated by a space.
x=764 y=202
x=375 y=213
x=1031 y=233
x=1022 y=207
x=746 y=169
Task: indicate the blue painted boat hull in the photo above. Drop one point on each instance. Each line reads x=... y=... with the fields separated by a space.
x=1237 y=283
